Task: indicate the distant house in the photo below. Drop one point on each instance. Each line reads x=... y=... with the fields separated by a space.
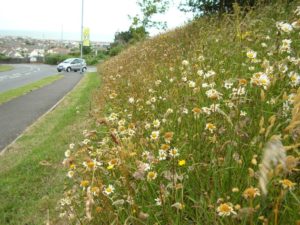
x=60 y=51
x=36 y=55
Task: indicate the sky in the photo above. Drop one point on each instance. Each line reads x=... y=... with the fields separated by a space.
x=103 y=17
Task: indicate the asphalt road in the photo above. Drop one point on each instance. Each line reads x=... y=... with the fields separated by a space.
x=19 y=113
x=23 y=74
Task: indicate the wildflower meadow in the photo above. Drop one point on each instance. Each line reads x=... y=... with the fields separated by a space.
x=199 y=125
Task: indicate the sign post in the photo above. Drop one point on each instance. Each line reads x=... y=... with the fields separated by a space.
x=81 y=46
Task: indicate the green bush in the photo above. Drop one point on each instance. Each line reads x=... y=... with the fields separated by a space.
x=116 y=50
x=54 y=59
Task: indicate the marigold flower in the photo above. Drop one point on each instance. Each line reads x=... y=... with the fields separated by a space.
x=168 y=136
x=287 y=184
x=225 y=209
x=84 y=183
x=251 y=193
x=196 y=112
x=211 y=127
x=243 y=82
x=165 y=147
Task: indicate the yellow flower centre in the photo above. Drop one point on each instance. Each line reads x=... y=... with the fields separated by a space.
x=225 y=208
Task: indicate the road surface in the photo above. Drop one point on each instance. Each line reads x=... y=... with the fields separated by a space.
x=23 y=74
x=19 y=113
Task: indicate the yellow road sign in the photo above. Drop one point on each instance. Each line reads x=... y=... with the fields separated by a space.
x=86 y=36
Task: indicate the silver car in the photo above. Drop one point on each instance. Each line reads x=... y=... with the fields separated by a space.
x=72 y=64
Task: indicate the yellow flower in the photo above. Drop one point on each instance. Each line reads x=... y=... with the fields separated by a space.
x=251 y=193
x=112 y=163
x=211 y=127
x=84 y=183
x=287 y=184
x=91 y=164
x=225 y=209
x=181 y=162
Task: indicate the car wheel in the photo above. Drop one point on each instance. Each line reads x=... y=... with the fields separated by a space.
x=83 y=69
x=68 y=69
x=59 y=70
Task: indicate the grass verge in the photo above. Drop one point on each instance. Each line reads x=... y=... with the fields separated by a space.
x=9 y=95
x=4 y=68
x=31 y=174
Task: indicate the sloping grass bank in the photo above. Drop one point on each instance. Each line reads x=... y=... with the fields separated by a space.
x=200 y=127
x=31 y=173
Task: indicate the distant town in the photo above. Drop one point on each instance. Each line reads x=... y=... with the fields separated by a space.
x=26 y=49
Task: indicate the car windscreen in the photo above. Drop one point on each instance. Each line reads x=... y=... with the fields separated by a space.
x=68 y=60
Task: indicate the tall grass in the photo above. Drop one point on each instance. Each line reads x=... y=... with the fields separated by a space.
x=194 y=127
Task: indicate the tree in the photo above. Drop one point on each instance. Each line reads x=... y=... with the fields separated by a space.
x=206 y=7
x=141 y=23
x=123 y=37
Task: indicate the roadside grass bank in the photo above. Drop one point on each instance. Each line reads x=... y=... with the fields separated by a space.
x=202 y=127
x=31 y=174
x=14 y=93
x=4 y=68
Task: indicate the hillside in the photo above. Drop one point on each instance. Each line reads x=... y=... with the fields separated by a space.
x=196 y=126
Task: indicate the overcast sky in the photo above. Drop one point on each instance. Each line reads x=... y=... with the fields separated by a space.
x=103 y=17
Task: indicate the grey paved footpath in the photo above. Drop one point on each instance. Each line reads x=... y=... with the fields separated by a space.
x=19 y=113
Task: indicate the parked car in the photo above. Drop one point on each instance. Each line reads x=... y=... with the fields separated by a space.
x=72 y=64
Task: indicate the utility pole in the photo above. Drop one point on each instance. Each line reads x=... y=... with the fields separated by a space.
x=81 y=47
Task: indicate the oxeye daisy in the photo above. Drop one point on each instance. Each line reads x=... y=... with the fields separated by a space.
x=109 y=190
x=154 y=135
x=156 y=123
x=251 y=54
x=174 y=152
x=151 y=175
